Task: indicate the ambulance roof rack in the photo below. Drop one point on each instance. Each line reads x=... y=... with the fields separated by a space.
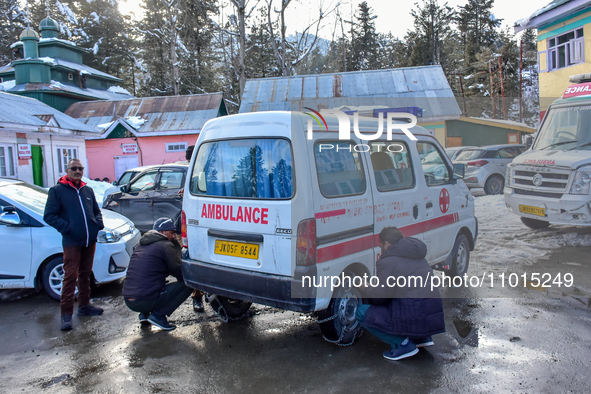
x=580 y=78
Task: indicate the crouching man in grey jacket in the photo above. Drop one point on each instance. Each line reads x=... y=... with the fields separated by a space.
x=145 y=290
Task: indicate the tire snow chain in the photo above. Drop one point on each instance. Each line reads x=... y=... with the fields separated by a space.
x=222 y=314
x=343 y=331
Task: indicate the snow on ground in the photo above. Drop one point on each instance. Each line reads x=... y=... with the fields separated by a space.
x=98 y=188
x=503 y=240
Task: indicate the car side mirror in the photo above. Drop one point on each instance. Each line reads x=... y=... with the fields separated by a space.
x=10 y=217
x=114 y=183
x=123 y=188
x=529 y=140
x=459 y=170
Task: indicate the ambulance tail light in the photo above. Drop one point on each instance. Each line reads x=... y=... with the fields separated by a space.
x=478 y=163
x=184 y=229
x=306 y=243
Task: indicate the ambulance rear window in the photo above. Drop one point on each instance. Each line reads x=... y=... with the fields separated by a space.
x=244 y=168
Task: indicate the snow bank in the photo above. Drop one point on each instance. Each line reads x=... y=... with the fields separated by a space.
x=98 y=188
x=4 y=86
x=118 y=89
x=503 y=240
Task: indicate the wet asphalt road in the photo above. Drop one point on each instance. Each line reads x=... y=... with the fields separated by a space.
x=526 y=340
x=532 y=345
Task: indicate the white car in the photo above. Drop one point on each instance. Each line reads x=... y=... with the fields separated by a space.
x=32 y=250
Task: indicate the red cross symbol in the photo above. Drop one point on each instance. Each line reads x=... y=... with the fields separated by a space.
x=444 y=200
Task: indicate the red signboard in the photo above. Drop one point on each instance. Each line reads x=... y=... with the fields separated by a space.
x=580 y=89
x=129 y=148
x=24 y=151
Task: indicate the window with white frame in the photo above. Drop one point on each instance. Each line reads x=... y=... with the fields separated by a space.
x=176 y=147
x=566 y=49
x=7 y=160
x=64 y=154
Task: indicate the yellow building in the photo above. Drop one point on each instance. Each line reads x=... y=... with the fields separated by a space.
x=564 y=45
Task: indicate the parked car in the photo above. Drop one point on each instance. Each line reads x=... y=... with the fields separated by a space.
x=454 y=151
x=124 y=179
x=268 y=209
x=152 y=194
x=32 y=250
x=486 y=166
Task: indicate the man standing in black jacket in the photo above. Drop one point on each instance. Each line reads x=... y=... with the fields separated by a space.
x=406 y=315
x=73 y=211
x=157 y=256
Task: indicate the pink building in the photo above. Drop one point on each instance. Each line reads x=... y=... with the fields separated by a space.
x=143 y=131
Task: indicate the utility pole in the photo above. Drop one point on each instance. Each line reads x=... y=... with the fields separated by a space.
x=520 y=80
x=462 y=90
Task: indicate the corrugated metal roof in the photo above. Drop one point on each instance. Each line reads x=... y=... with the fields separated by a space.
x=161 y=114
x=28 y=111
x=425 y=87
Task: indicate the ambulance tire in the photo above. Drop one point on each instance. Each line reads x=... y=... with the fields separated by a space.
x=460 y=257
x=494 y=185
x=233 y=308
x=534 y=223
x=343 y=304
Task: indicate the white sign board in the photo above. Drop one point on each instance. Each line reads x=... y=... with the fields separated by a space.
x=24 y=151
x=129 y=148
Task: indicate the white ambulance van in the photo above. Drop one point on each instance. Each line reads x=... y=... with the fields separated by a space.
x=550 y=183
x=266 y=208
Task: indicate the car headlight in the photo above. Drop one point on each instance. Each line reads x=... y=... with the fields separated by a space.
x=582 y=181
x=106 y=236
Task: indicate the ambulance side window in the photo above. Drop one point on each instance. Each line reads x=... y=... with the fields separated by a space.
x=433 y=163
x=391 y=165
x=339 y=168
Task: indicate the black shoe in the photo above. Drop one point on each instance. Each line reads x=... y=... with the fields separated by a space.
x=198 y=304
x=90 y=310
x=161 y=322
x=66 y=322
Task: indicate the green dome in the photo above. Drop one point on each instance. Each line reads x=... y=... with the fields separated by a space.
x=48 y=24
x=29 y=34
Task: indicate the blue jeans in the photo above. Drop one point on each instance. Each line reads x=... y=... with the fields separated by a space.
x=393 y=340
x=172 y=297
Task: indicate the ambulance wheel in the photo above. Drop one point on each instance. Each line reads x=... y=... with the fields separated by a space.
x=230 y=308
x=460 y=257
x=494 y=185
x=338 y=322
x=534 y=223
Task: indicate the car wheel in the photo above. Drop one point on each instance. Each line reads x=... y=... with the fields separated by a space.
x=534 y=223
x=228 y=308
x=494 y=185
x=338 y=322
x=460 y=257
x=53 y=278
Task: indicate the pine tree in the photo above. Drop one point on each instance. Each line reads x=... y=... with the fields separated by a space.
x=260 y=59
x=12 y=23
x=477 y=27
x=432 y=24
x=365 y=46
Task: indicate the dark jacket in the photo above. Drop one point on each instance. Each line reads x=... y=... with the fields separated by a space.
x=412 y=310
x=153 y=259
x=74 y=212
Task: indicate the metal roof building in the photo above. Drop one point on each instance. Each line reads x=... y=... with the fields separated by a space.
x=150 y=116
x=423 y=87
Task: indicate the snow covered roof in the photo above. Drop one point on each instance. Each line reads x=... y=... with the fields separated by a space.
x=424 y=87
x=84 y=69
x=57 y=86
x=505 y=124
x=22 y=110
x=151 y=115
x=551 y=13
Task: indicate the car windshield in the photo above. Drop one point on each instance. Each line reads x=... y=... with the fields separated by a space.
x=126 y=177
x=470 y=154
x=29 y=196
x=566 y=128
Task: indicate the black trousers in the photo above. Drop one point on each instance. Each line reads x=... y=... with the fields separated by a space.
x=165 y=304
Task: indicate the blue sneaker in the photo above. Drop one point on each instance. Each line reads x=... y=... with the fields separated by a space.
x=406 y=349
x=161 y=322
x=144 y=317
x=423 y=341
